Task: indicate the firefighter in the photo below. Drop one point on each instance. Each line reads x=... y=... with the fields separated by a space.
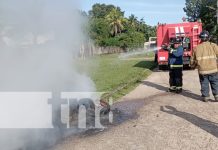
x=205 y=59
x=175 y=62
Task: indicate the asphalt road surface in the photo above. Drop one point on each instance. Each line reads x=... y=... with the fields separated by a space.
x=163 y=121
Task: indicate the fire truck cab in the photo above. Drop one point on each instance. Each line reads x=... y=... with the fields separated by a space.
x=166 y=33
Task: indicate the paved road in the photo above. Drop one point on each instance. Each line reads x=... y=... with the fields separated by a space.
x=165 y=120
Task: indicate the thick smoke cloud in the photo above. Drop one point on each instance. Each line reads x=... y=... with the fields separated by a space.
x=39 y=40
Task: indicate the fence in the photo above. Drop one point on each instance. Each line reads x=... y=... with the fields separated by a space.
x=88 y=50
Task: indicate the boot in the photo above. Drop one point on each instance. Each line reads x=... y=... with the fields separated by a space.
x=216 y=98
x=178 y=89
x=172 y=89
x=205 y=99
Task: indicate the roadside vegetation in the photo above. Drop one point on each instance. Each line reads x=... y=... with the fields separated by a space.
x=117 y=76
x=108 y=27
x=206 y=12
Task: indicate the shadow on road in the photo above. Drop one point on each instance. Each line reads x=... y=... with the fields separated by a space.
x=185 y=93
x=206 y=125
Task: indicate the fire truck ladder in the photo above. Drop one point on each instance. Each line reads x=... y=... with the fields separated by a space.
x=195 y=34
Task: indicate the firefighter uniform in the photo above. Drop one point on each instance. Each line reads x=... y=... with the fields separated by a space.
x=205 y=59
x=175 y=62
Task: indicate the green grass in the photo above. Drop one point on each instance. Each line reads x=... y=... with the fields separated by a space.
x=116 y=76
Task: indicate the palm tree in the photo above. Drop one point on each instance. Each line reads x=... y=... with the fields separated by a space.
x=133 y=20
x=115 y=19
x=142 y=26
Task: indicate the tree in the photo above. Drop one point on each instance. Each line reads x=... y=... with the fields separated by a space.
x=150 y=32
x=108 y=27
x=102 y=10
x=132 y=39
x=209 y=17
x=193 y=9
x=142 y=27
x=204 y=10
x=115 y=19
x=99 y=30
x=133 y=21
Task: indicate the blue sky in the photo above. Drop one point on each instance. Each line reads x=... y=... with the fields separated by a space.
x=153 y=11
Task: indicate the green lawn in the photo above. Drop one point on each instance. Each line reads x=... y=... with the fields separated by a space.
x=117 y=76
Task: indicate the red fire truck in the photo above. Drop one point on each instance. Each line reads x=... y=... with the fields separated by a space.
x=166 y=33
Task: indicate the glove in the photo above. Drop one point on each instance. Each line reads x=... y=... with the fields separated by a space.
x=170 y=50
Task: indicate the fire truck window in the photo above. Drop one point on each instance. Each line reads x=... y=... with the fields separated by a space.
x=186 y=43
x=187 y=40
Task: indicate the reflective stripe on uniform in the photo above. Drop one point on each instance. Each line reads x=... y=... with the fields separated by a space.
x=173 y=88
x=176 y=66
x=208 y=72
x=179 y=87
x=206 y=57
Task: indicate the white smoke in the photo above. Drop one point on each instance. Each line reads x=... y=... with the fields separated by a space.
x=38 y=41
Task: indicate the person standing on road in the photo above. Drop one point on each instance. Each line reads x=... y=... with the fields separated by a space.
x=204 y=58
x=175 y=62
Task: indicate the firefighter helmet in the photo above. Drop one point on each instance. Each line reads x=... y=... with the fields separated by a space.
x=177 y=40
x=204 y=35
